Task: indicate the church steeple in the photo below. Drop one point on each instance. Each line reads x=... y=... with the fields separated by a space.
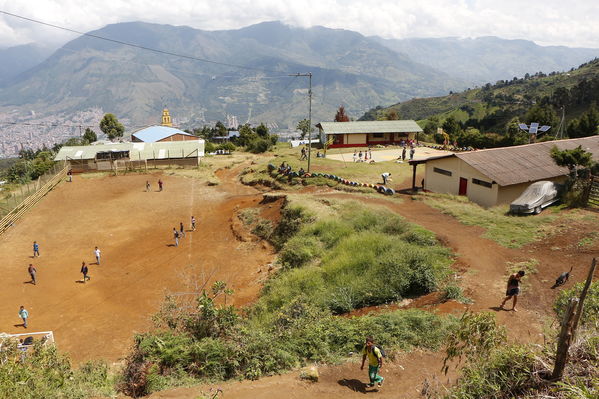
x=166 y=118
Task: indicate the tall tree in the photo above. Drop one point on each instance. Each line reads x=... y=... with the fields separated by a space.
x=262 y=130
x=90 y=136
x=340 y=116
x=392 y=115
x=588 y=124
x=572 y=159
x=111 y=126
x=304 y=127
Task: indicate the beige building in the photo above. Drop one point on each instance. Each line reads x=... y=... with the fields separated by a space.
x=498 y=175
x=367 y=133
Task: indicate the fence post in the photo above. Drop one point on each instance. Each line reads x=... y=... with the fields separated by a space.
x=583 y=295
x=565 y=339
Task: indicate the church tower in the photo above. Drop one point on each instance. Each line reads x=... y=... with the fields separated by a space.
x=166 y=118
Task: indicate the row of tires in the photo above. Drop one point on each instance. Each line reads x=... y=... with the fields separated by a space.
x=379 y=188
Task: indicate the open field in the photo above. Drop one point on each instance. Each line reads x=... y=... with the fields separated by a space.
x=133 y=228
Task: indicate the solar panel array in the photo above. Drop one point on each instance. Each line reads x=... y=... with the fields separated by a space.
x=534 y=127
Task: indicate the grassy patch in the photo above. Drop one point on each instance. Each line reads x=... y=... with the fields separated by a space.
x=43 y=372
x=358 y=257
x=589 y=240
x=529 y=266
x=507 y=230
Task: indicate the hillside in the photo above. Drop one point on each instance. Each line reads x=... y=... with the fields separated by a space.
x=18 y=59
x=348 y=68
x=489 y=59
x=492 y=106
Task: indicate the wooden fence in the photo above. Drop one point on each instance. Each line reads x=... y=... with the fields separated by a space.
x=41 y=189
x=592 y=199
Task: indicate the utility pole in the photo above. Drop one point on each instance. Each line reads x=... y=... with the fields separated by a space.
x=309 y=75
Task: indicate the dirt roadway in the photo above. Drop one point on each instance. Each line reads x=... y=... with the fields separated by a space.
x=133 y=229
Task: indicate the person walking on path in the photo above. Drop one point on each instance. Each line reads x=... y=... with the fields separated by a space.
x=70 y=175
x=148 y=186
x=160 y=185
x=375 y=362
x=355 y=155
x=182 y=230
x=513 y=289
x=97 y=254
x=360 y=155
x=386 y=177
x=176 y=236
x=32 y=272
x=84 y=271
x=36 y=249
x=412 y=152
x=193 y=223
x=403 y=154
x=303 y=157
x=24 y=315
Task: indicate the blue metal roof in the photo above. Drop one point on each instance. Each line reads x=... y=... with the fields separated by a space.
x=157 y=133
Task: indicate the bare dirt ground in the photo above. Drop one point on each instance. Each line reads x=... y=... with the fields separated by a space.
x=133 y=229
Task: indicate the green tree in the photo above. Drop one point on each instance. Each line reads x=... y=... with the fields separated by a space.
x=513 y=134
x=262 y=131
x=392 y=115
x=574 y=160
x=588 y=124
x=543 y=114
x=90 y=136
x=451 y=126
x=220 y=129
x=111 y=126
x=304 y=127
x=246 y=135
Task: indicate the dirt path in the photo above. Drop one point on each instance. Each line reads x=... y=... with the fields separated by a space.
x=405 y=376
x=133 y=228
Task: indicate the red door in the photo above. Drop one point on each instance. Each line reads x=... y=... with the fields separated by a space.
x=463 y=186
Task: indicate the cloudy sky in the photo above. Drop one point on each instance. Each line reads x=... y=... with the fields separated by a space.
x=547 y=22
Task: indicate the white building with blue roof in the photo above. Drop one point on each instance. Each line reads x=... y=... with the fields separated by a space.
x=163 y=132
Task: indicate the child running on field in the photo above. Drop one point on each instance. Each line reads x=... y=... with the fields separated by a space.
x=193 y=223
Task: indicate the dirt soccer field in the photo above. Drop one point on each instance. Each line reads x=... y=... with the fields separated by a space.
x=133 y=229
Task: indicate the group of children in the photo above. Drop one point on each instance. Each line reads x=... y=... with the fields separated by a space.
x=177 y=234
x=366 y=155
x=23 y=313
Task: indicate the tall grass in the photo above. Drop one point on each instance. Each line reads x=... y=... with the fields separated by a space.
x=358 y=258
x=43 y=372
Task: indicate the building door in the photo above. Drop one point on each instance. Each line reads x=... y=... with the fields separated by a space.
x=463 y=186
x=338 y=139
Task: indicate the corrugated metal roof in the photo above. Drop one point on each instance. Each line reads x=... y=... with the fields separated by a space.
x=404 y=126
x=525 y=163
x=159 y=150
x=156 y=133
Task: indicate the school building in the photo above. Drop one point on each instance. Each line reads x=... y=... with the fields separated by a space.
x=123 y=156
x=368 y=133
x=498 y=175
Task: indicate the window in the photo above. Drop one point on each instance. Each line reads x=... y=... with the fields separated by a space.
x=482 y=183
x=379 y=135
x=442 y=171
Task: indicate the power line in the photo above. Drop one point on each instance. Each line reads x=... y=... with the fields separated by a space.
x=189 y=57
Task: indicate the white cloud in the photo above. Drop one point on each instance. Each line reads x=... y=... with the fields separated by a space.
x=571 y=23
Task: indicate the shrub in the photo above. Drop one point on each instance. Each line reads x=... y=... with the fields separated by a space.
x=209 y=147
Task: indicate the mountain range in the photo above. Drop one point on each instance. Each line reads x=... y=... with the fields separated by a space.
x=348 y=69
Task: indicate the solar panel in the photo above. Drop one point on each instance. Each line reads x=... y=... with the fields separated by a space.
x=544 y=128
x=534 y=127
x=523 y=126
